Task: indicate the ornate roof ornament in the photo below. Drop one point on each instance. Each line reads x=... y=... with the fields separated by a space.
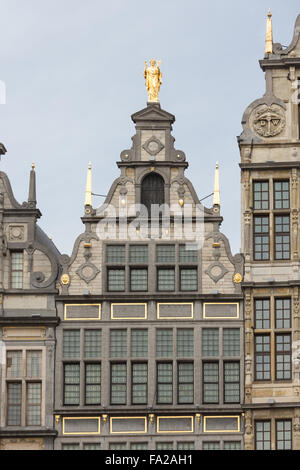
x=269 y=34
x=153 y=79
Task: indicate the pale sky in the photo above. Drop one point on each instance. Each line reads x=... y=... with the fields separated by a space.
x=73 y=71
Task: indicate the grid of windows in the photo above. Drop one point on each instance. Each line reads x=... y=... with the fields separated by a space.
x=139 y=383
x=231 y=382
x=71 y=344
x=261 y=238
x=115 y=254
x=71 y=384
x=165 y=383
x=262 y=313
x=92 y=384
x=138 y=279
x=92 y=344
x=166 y=279
x=283 y=313
x=261 y=195
x=116 y=279
x=138 y=254
x=185 y=342
x=283 y=357
x=118 y=384
x=165 y=253
x=210 y=342
x=282 y=237
x=16 y=269
x=188 y=279
x=281 y=194
x=185 y=382
x=284 y=434
x=118 y=343
x=210 y=382
x=164 y=342
x=263 y=435
x=231 y=342
x=262 y=357
x=187 y=254
x=139 y=343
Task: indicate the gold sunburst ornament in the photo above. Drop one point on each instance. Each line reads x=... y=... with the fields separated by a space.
x=237 y=278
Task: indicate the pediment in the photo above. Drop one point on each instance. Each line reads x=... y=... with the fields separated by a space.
x=153 y=112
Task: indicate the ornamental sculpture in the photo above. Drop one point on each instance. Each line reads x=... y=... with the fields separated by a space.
x=153 y=79
x=268 y=121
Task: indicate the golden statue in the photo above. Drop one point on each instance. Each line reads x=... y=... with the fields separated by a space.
x=153 y=78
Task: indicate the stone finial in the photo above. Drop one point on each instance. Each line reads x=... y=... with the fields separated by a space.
x=269 y=34
x=88 y=189
x=32 y=186
x=216 y=200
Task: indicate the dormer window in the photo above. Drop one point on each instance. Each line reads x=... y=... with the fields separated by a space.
x=153 y=191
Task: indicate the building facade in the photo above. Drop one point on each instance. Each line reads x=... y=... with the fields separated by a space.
x=152 y=335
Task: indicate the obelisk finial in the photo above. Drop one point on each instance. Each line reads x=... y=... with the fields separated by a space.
x=216 y=201
x=88 y=189
x=269 y=34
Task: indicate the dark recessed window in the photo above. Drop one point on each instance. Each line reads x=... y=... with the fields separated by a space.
x=152 y=191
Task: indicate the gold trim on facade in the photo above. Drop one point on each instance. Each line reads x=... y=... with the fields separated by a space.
x=174 y=417
x=128 y=418
x=205 y=418
x=175 y=303
x=82 y=319
x=129 y=318
x=98 y=418
x=221 y=318
x=42 y=336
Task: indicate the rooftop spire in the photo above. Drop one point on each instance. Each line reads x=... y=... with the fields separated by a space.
x=216 y=201
x=32 y=186
x=269 y=34
x=88 y=189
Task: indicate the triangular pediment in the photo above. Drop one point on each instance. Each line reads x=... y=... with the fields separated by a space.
x=153 y=112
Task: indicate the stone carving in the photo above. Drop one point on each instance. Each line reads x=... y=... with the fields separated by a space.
x=87 y=271
x=268 y=121
x=16 y=232
x=216 y=271
x=153 y=146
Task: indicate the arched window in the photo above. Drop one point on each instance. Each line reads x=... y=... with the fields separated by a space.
x=153 y=191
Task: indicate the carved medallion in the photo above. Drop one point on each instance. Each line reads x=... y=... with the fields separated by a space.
x=153 y=146
x=268 y=121
x=216 y=271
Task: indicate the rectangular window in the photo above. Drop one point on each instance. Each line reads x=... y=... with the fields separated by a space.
x=116 y=280
x=185 y=342
x=138 y=254
x=115 y=254
x=17 y=269
x=210 y=342
x=164 y=446
x=165 y=383
x=94 y=446
x=33 y=364
x=34 y=404
x=139 y=343
x=262 y=357
x=281 y=194
x=118 y=343
x=262 y=313
x=117 y=446
x=118 y=384
x=261 y=195
x=283 y=357
x=187 y=254
x=261 y=238
x=231 y=382
x=14 y=399
x=185 y=446
x=284 y=434
x=138 y=280
x=283 y=313
x=231 y=342
x=166 y=279
x=71 y=384
x=70 y=447
x=71 y=344
x=139 y=386
x=188 y=279
x=92 y=344
x=210 y=382
x=185 y=383
x=164 y=342
x=211 y=446
x=139 y=446
x=232 y=445
x=93 y=384
x=13 y=364
x=263 y=435
x=282 y=237
x=165 y=253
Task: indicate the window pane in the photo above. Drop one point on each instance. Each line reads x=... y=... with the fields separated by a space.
x=33 y=366
x=186 y=382
x=188 y=279
x=262 y=357
x=33 y=404
x=139 y=343
x=188 y=254
x=261 y=195
x=283 y=313
x=118 y=343
x=14 y=364
x=263 y=435
x=139 y=446
x=231 y=342
x=232 y=445
x=164 y=446
x=283 y=357
x=138 y=254
x=71 y=384
x=185 y=342
x=210 y=382
x=93 y=384
x=281 y=194
x=165 y=383
x=71 y=345
x=17 y=270
x=261 y=238
x=138 y=280
x=210 y=342
x=139 y=383
x=166 y=279
x=117 y=446
x=231 y=382
x=185 y=446
x=282 y=237
x=115 y=254
x=165 y=253
x=118 y=384
x=211 y=445
x=262 y=313
x=116 y=280
x=284 y=434
x=14 y=398
x=70 y=447
x=92 y=344
x=95 y=446
x=164 y=342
